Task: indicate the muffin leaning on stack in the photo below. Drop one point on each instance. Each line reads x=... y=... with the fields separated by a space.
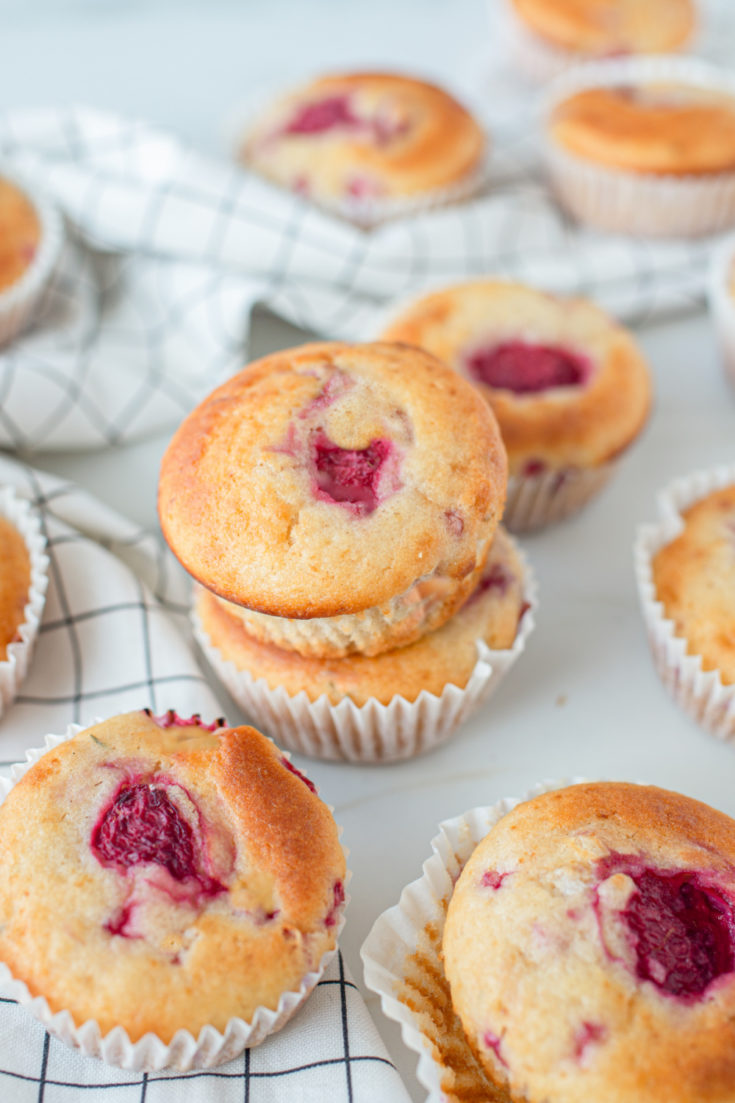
x=337 y=501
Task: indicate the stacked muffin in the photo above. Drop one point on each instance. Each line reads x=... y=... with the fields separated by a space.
x=338 y=504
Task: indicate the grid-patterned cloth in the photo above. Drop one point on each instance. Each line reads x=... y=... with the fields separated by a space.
x=149 y=307
x=109 y=643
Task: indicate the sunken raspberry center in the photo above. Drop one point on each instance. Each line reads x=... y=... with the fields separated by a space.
x=349 y=475
x=143 y=825
x=526 y=368
x=322 y=115
x=684 y=931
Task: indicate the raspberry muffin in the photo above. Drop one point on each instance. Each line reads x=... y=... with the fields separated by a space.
x=188 y=868
x=645 y=146
x=686 y=577
x=357 y=142
x=30 y=238
x=340 y=498
x=590 y=948
x=23 y=582
x=568 y=385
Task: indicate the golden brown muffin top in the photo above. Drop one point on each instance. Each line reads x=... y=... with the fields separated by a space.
x=190 y=870
x=694 y=579
x=15 y=583
x=568 y=385
x=365 y=136
x=605 y=27
x=20 y=232
x=328 y=479
x=590 y=948
x=672 y=129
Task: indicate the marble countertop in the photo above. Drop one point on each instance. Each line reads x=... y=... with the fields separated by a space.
x=584 y=699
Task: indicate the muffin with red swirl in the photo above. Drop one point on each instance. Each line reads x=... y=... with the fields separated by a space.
x=368 y=145
x=188 y=868
x=590 y=948
x=568 y=385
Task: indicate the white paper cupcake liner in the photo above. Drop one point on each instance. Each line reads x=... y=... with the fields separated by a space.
x=701 y=694
x=365 y=213
x=535 y=501
x=18 y=301
x=401 y=956
x=372 y=732
x=13 y=669
x=721 y=295
x=645 y=204
x=150 y=1054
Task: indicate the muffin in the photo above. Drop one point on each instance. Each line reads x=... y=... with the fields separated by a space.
x=23 y=582
x=645 y=146
x=553 y=34
x=358 y=143
x=30 y=239
x=341 y=498
x=590 y=950
x=686 y=576
x=396 y=704
x=568 y=386
x=188 y=868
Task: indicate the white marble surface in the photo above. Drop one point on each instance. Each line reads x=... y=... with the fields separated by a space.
x=584 y=698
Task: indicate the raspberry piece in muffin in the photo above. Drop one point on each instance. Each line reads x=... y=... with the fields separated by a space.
x=602 y=966
x=190 y=871
x=365 y=136
x=341 y=498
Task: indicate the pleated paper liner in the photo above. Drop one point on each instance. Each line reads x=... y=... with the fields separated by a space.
x=403 y=964
x=372 y=732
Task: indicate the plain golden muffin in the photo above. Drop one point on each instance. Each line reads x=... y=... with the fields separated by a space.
x=599 y=28
x=343 y=496
x=20 y=232
x=365 y=136
x=675 y=130
x=161 y=874
x=590 y=948
x=15 y=583
x=447 y=655
x=694 y=579
x=567 y=384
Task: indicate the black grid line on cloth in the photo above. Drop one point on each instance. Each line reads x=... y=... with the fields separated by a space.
x=44 y=1066
x=345 y=1029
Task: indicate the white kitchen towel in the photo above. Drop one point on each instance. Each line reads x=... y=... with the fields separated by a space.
x=113 y=639
x=167 y=251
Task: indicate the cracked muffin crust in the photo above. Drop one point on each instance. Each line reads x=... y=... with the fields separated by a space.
x=448 y=655
x=159 y=873
x=694 y=579
x=590 y=948
x=365 y=136
x=568 y=385
x=344 y=496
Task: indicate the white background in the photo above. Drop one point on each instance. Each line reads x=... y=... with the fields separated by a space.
x=584 y=698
